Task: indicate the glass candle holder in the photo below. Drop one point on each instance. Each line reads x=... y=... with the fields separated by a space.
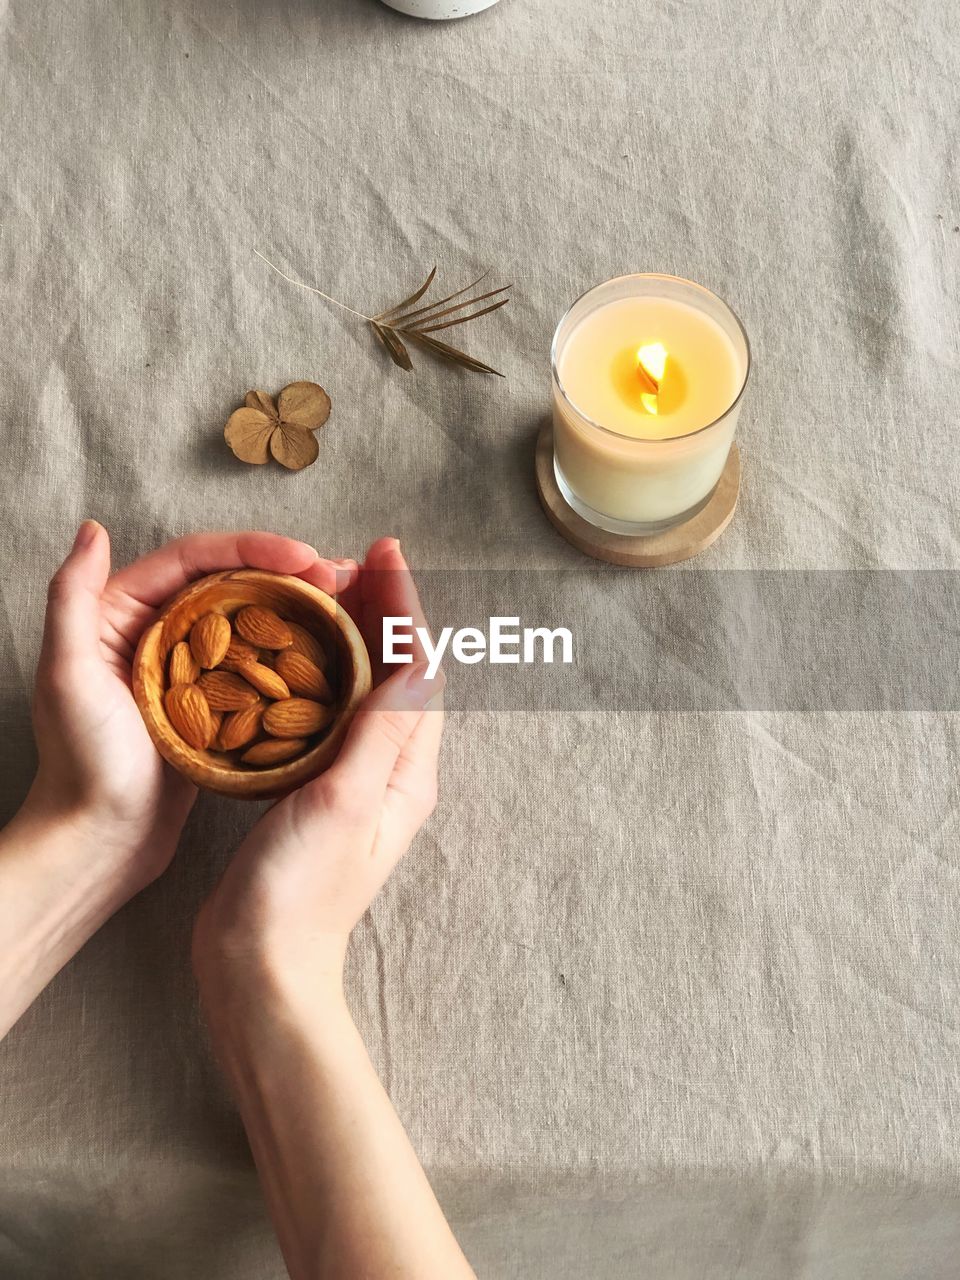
x=648 y=377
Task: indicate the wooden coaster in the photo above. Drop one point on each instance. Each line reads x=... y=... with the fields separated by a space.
x=679 y=543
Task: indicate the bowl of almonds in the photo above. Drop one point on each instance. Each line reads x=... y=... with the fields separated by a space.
x=248 y=681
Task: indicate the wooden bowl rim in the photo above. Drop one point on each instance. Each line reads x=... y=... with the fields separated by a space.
x=204 y=769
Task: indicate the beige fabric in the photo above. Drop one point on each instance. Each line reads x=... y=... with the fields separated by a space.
x=666 y=995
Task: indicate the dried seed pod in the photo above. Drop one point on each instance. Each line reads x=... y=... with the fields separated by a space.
x=184 y=668
x=210 y=639
x=189 y=713
x=226 y=691
x=274 y=751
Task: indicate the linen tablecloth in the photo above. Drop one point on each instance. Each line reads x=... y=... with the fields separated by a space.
x=657 y=993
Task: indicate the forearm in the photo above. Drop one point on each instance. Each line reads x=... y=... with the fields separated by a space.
x=51 y=901
x=343 y=1184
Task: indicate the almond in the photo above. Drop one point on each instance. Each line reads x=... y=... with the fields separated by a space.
x=189 y=713
x=210 y=639
x=266 y=680
x=263 y=627
x=184 y=668
x=227 y=692
x=238 y=652
x=274 y=751
x=306 y=643
x=216 y=719
x=296 y=718
x=241 y=727
x=303 y=676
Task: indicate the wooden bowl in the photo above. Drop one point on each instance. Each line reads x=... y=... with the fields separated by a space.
x=225 y=593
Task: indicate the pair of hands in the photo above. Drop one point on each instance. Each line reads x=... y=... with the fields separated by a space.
x=311 y=866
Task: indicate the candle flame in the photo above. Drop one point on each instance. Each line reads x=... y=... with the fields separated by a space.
x=651 y=362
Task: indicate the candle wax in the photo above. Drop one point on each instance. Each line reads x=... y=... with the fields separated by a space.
x=598 y=368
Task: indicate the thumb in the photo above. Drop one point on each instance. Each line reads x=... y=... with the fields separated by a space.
x=72 y=625
x=383 y=727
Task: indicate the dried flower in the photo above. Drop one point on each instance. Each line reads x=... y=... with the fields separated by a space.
x=283 y=429
x=416 y=324
x=405 y=322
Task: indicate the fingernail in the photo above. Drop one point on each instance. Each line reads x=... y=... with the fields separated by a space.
x=418 y=689
x=85 y=534
x=347 y=565
x=394 y=544
x=312 y=550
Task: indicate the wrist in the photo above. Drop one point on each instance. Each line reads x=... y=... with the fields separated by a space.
x=65 y=841
x=59 y=801
x=258 y=1010
x=65 y=864
x=54 y=900
x=48 y=814
x=123 y=854
x=237 y=968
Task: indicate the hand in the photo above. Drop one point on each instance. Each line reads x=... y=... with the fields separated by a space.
x=341 y=1179
x=98 y=768
x=310 y=868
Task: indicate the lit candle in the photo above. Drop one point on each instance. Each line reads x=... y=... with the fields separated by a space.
x=648 y=373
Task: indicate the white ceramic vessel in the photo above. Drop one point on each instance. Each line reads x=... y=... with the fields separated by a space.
x=439 y=8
